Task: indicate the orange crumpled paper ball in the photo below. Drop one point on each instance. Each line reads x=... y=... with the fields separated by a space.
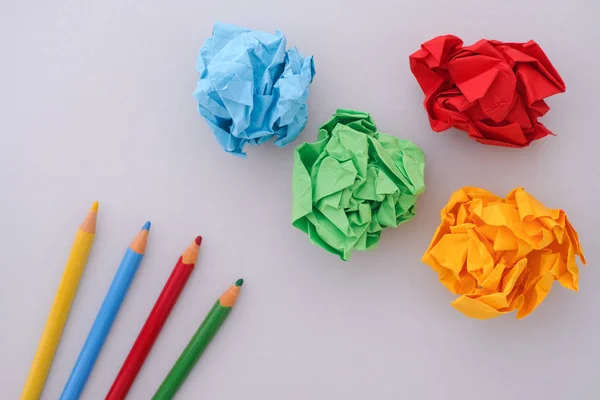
x=500 y=254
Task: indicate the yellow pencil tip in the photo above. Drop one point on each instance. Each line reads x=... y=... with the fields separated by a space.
x=94 y=207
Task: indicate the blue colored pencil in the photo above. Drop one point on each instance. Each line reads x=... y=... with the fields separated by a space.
x=106 y=316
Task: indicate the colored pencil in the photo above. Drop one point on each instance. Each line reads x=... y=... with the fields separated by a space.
x=106 y=316
x=42 y=361
x=154 y=323
x=209 y=328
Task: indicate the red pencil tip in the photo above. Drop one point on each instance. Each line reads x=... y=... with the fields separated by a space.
x=198 y=240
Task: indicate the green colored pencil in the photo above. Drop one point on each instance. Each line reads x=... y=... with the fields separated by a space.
x=192 y=352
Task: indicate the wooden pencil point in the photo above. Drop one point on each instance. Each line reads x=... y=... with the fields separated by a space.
x=191 y=254
x=239 y=282
x=229 y=298
x=139 y=243
x=89 y=223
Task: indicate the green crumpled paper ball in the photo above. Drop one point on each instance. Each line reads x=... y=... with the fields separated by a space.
x=353 y=182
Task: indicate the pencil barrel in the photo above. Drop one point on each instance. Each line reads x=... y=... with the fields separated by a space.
x=150 y=331
x=58 y=315
x=102 y=325
x=188 y=359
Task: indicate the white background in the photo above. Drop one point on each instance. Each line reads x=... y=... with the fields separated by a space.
x=96 y=103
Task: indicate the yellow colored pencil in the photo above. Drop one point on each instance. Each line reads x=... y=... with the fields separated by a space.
x=34 y=385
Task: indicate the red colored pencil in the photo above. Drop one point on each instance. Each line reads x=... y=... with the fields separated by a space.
x=154 y=323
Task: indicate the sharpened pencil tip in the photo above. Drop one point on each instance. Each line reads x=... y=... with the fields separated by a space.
x=198 y=240
x=94 y=207
x=146 y=226
x=239 y=282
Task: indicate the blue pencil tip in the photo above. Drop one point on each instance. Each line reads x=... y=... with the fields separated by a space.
x=147 y=226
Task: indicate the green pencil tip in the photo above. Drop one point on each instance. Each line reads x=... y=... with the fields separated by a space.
x=239 y=282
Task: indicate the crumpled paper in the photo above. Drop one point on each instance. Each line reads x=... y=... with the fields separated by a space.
x=500 y=254
x=494 y=91
x=353 y=182
x=251 y=89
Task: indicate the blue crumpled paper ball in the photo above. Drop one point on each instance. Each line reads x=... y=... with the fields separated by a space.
x=251 y=89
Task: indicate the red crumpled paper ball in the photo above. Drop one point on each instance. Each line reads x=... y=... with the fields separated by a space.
x=494 y=91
